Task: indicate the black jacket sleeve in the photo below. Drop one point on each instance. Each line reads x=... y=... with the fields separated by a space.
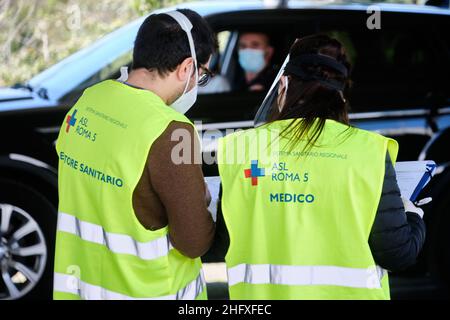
x=396 y=237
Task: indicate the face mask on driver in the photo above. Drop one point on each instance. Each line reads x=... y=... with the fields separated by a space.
x=252 y=60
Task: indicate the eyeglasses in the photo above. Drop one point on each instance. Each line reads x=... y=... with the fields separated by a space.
x=205 y=77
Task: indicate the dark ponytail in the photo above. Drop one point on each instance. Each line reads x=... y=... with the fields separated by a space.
x=316 y=91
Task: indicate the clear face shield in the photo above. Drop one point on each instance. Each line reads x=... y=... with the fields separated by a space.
x=296 y=67
x=265 y=109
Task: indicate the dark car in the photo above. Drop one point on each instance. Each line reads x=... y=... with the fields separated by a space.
x=401 y=89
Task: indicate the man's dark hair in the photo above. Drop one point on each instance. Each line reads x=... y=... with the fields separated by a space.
x=162 y=45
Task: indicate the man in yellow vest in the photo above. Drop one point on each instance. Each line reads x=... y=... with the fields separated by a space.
x=133 y=218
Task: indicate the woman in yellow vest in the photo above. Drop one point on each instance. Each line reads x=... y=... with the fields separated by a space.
x=311 y=204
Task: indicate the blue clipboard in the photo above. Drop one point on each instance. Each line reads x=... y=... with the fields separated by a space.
x=428 y=174
x=413 y=176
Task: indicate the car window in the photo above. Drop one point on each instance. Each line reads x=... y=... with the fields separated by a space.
x=219 y=83
x=237 y=103
x=223 y=38
x=401 y=66
x=110 y=71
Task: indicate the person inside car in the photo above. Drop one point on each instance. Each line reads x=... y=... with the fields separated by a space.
x=255 y=55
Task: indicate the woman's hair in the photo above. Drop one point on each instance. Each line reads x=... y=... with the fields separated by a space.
x=316 y=91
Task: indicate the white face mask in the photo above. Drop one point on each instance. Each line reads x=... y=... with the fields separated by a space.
x=187 y=99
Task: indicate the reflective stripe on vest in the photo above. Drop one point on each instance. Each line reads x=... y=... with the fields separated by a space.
x=70 y=284
x=117 y=243
x=306 y=275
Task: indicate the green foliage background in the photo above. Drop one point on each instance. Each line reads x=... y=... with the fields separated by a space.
x=35 y=34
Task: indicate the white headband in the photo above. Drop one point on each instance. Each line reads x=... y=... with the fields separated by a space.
x=186 y=25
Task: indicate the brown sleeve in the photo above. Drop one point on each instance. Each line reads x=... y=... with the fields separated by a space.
x=181 y=189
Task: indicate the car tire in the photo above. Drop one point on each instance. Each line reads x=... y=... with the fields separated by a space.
x=27 y=235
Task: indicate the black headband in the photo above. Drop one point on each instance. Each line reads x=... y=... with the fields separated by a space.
x=295 y=66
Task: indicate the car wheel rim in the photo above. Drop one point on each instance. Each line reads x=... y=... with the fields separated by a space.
x=23 y=252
